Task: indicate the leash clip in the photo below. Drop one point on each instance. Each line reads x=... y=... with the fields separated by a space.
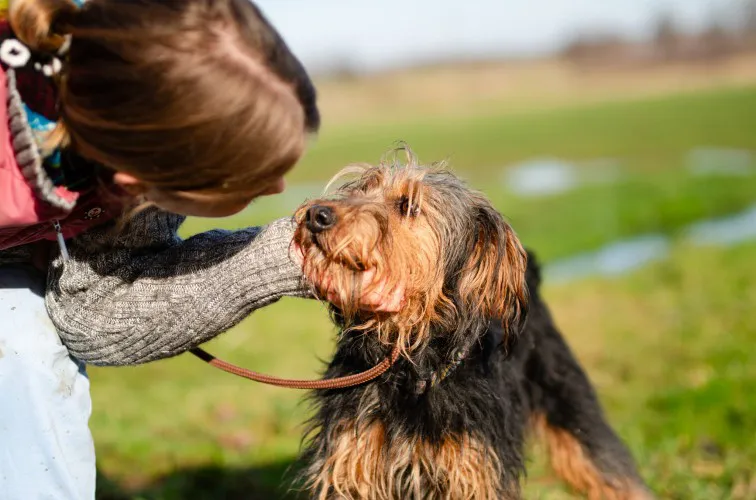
x=61 y=240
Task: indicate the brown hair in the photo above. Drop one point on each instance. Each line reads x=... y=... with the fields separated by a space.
x=191 y=95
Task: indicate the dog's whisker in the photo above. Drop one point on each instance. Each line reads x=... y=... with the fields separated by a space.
x=356 y=169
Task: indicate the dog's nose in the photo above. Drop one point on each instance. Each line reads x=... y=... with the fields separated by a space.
x=319 y=218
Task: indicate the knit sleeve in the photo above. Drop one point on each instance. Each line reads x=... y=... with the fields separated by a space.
x=144 y=293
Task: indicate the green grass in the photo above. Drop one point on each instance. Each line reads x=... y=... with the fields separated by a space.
x=669 y=348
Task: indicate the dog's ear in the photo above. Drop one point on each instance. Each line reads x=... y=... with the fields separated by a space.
x=492 y=284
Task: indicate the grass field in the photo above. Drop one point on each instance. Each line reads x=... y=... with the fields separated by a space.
x=670 y=348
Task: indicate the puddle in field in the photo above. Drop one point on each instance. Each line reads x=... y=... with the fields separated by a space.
x=549 y=176
x=542 y=177
x=729 y=230
x=705 y=162
x=612 y=260
x=628 y=255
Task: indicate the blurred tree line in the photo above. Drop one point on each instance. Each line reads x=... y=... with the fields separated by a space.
x=730 y=30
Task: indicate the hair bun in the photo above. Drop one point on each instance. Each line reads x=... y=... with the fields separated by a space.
x=42 y=24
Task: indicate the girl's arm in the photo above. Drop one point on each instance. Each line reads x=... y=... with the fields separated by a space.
x=144 y=294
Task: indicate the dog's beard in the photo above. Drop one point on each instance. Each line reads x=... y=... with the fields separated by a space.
x=343 y=273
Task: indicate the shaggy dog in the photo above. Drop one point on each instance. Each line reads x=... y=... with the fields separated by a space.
x=449 y=419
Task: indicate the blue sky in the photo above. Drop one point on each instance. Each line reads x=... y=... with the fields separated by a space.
x=383 y=33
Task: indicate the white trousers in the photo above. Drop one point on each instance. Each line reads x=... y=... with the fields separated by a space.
x=46 y=448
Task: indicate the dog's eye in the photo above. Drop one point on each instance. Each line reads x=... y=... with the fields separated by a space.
x=406 y=208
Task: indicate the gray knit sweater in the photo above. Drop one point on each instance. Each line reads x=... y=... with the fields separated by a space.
x=144 y=293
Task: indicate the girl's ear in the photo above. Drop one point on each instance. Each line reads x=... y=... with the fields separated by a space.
x=129 y=183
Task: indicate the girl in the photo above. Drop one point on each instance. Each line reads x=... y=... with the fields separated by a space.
x=161 y=107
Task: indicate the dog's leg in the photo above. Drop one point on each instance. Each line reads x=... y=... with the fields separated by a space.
x=584 y=450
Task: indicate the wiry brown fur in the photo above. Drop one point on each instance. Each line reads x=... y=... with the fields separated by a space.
x=366 y=464
x=493 y=281
x=573 y=465
x=448 y=420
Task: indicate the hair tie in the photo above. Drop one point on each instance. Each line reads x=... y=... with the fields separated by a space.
x=65 y=46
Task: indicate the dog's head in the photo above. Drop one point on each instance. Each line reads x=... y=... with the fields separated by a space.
x=457 y=258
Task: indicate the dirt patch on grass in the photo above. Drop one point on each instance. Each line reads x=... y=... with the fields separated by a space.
x=516 y=86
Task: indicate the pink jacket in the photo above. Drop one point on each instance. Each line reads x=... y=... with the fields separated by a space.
x=29 y=202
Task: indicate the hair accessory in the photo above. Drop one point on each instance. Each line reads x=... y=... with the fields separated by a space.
x=63 y=50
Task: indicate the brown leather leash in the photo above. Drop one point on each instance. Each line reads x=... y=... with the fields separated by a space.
x=330 y=383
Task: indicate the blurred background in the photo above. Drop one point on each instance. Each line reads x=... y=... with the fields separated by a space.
x=618 y=137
